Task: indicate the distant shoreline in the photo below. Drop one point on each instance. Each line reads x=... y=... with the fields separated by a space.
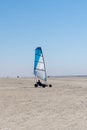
x=68 y=76
x=62 y=76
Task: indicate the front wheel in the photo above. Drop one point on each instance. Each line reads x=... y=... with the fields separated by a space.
x=50 y=85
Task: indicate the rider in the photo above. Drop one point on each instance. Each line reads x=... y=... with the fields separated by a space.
x=39 y=83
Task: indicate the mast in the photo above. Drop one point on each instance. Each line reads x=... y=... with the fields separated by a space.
x=45 y=69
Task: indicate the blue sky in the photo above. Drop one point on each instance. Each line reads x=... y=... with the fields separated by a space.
x=58 y=26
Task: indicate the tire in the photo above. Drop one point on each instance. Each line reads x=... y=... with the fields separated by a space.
x=35 y=85
x=43 y=85
x=50 y=85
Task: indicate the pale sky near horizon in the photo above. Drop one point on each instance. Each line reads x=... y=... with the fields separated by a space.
x=58 y=26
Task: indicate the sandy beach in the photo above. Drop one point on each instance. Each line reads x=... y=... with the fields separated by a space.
x=62 y=107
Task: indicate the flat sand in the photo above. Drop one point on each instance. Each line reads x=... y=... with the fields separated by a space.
x=62 y=107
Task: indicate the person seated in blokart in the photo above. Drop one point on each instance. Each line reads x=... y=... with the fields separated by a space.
x=39 y=83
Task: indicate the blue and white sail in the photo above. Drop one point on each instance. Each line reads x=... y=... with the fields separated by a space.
x=39 y=64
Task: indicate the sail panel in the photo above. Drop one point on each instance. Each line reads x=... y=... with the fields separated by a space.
x=39 y=64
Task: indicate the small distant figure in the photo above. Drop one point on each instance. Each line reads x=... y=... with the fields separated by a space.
x=17 y=76
x=39 y=83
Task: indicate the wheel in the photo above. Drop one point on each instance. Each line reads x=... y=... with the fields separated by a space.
x=50 y=85
x=35 y=85
x=43 y=85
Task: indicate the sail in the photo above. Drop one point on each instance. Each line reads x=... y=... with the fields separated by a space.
x=39 y=64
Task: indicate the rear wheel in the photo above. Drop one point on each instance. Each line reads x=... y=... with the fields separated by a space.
x=35 y=85
x=43 y=85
